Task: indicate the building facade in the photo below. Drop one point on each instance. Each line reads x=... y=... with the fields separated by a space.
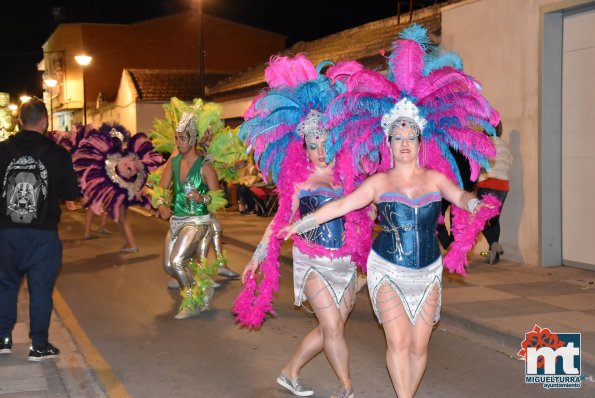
x=170 y=42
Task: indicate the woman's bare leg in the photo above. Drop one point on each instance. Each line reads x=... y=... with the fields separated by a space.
x=125 y=227
x=329 y=333
x=407 y=344
x=88 y=221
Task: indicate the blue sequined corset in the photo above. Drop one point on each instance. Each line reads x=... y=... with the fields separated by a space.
x=408 y=235
x=329 y=234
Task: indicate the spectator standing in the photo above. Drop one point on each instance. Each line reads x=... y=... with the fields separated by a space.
x=248 y=177
x=495 y=182
x=444 y=235
x=35 y=174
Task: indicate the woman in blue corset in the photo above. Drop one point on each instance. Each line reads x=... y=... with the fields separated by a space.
x=283 y=128
x=405 y=264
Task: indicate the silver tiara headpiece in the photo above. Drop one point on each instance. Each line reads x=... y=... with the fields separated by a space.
x=188 y=123
x=117 y=134
x=310 y=129
x=404 y=114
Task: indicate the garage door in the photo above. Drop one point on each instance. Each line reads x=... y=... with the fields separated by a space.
x=578 y=140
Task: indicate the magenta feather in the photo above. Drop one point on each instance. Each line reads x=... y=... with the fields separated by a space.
x=444 y=82
x=431 y=156
x=343 y=70
x=465 y=228
x=289 y=71
x=407 y=63
x=372 y=82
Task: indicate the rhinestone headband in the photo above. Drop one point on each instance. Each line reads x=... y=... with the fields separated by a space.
x=403 y=114
x=310 y=129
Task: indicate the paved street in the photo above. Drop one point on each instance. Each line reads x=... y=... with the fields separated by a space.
x=122 y=322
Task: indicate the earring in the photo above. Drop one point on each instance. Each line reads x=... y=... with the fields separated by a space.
x=423 y=163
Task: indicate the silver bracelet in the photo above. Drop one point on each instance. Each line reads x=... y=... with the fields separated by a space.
x=206 y=199
x=307 y=223
x=161 y=201
x=472 y=204
x=260 y=253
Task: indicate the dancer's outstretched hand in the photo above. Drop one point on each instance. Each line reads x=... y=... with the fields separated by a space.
x=249 y=270
x=164 y=212
x=286 y=233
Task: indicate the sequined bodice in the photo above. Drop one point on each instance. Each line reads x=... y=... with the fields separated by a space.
x=408 y=234
x=329 y=234
x=182 y=205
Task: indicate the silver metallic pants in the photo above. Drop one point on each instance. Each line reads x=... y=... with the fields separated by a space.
x=214 y=237
x=180 y=247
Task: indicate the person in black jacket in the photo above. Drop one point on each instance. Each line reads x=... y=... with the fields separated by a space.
x=35 y=173
x=445 y=237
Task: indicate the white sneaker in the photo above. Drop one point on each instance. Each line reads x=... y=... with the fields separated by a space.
x=186 y=313
x=295 y=386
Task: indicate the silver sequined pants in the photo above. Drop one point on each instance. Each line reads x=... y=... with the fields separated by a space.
x=184 y=242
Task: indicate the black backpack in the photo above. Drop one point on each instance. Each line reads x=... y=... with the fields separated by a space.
x=25 y=196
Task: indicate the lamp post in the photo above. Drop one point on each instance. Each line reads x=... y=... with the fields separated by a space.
x=84 y=60
x=201 y=54
x=51 y=83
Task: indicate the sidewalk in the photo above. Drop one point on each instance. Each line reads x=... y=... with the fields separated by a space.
x=503 y=302
x=68 y=376
x=494 y=304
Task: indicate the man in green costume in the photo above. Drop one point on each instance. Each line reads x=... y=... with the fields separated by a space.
x=195 y=184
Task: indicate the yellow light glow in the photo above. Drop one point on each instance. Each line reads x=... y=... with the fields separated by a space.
x=24 y=98
x=50 y=82
x=83 y=60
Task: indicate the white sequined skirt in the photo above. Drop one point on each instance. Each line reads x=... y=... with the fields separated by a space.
x=412 y=285
x=337 y=274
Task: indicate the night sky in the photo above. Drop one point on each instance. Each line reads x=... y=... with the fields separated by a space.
x=26 y=24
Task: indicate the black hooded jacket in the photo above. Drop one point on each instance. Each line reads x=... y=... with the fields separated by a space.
x=61 y=179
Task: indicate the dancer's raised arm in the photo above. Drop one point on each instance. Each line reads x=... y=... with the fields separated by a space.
x=361 y=197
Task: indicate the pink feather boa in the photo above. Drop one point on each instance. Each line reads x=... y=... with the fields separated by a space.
x=255 y=299
x=465 y=228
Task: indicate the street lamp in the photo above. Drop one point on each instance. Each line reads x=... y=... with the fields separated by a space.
x=50 y=83
x=84 y=60
x=24 y=98
x=201 y=49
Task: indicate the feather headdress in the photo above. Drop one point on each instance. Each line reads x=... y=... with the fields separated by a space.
x=97 y=164
x=428 y=88
x=164 y=130
x=70 y=140
x=296 y=95
x=225 y=151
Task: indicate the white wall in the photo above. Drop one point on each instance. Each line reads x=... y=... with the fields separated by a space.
x=235 y=108
x=146 y=113
x=122 y=111
x=499 y=42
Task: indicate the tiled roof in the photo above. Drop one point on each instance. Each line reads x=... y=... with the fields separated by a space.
x=161 y=85
x=362 y=43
